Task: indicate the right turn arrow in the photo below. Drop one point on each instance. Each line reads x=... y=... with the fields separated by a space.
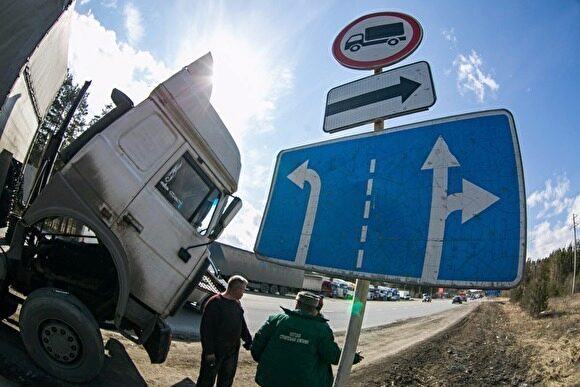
x=404 y=89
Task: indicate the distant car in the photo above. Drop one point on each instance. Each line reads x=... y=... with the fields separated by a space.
x=457 y=300
x=463 y=297
x=426 y=298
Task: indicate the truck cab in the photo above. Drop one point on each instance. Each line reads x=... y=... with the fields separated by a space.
x=120 y=234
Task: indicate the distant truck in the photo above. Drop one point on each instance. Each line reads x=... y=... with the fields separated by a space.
x=404 y=295
x=313 y=283
x=390 y=34
x=119 y=234
x=263 y=276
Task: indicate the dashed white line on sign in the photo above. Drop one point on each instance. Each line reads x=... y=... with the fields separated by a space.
x=366 y=214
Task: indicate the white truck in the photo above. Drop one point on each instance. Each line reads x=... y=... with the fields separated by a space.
x=404 y=295
x=120 y=234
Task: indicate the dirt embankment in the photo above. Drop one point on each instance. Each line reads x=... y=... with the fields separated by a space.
x=497 y=344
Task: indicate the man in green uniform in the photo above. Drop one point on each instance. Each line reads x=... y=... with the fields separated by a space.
x=296 y=348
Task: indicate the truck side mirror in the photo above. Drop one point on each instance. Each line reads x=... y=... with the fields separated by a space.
x=230 y=212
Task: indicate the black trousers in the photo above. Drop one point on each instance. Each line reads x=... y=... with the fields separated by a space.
x=224 y=369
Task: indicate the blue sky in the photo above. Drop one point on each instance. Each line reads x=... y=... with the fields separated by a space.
x=273 y=67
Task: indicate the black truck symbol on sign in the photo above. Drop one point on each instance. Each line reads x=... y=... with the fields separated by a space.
x=385 y=33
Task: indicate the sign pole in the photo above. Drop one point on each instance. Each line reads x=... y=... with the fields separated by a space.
x=357 y=311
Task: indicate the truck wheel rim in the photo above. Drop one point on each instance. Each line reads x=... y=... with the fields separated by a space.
x=60 y=341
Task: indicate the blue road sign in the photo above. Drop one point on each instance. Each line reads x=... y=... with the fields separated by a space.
x=436 y=203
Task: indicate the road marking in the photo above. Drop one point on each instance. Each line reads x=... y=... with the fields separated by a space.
x=367 y=209
x=366 y=214
x=369 y=187
x=299 y=176
x=359 y=258
x=363 y=234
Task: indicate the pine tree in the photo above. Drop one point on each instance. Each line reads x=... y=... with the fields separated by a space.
x=108 y=107
x=56 y=115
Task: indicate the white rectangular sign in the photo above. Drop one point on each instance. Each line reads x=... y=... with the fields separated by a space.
x=397 y=92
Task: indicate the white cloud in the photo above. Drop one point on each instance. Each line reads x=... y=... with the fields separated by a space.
x=133 y=23
x=109 y=3
x=83 y=2
x=243 y=229
x=110 y=63
x=546 y=237
x=471 y=78
x=555 y=231
x=247 y=82
x=449 y=35
x=553 y=198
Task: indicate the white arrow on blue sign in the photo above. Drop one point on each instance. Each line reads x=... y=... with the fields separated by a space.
x=438 y=203
x=392 y=93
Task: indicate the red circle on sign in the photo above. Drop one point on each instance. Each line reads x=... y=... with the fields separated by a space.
x=416 y=37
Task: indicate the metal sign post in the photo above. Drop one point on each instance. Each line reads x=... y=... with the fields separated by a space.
x=357 y=311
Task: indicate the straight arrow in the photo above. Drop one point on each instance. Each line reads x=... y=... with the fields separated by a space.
x=404 y=89
x=472 y=201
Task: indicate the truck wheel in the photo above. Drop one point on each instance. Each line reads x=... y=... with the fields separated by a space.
x=61 y=335
x=264 y=288
x=355 y=48
x=393 y=42
x=273 y=289
x=283 y=290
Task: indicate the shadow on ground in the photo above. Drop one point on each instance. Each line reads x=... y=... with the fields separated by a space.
x=16 y=366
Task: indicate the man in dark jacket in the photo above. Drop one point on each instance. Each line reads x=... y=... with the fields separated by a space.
x=222 y=326
x=296 y=348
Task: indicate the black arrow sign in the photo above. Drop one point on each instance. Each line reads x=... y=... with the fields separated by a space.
x=404 y=89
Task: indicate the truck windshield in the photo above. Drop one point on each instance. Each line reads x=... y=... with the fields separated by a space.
x=190 y=192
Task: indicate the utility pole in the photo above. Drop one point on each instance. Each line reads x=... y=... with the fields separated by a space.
x=575 y=248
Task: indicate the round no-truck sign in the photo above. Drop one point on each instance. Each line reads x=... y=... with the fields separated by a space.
x=377 y=40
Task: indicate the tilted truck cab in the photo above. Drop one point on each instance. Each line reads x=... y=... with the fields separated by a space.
x=121 y=232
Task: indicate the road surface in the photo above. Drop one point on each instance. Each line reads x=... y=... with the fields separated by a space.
x=259 y=307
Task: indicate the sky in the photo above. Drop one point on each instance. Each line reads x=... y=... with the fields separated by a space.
x=273 y=67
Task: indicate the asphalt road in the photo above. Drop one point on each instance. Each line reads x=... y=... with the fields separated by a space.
x=259 y=307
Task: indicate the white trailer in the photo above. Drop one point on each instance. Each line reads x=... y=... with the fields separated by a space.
x=263 y=276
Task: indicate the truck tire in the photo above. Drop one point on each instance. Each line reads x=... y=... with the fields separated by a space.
x=61 y=335
x=265 y=288
x=273 y=289
x=283 y=290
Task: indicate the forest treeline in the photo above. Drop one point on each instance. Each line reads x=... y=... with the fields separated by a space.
x=545 y=278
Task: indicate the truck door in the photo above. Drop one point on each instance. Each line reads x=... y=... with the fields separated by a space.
x=172 y=211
